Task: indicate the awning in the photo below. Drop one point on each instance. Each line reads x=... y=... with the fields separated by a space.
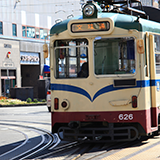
x=46 y=68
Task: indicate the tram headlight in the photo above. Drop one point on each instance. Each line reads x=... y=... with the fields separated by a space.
x=89 y=10
x=65 y=104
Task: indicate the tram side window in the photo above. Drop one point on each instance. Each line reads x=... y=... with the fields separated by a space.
x=70 y=56
x=114 y=56
x=157 y=53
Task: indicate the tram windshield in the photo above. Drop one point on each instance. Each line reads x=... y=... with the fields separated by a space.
x=71 y=58
x=114 y=56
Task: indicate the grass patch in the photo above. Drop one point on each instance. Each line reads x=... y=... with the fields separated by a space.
x=9 y=101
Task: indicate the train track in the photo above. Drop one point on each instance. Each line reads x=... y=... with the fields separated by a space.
x=48 y=146
x=62 y=150
x=83 y=151
x=97 y=151
x=44 y=139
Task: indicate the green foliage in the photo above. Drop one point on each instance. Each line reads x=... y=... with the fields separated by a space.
x=35 y=100
x=4 y=100
x=29 y=100
x=11 y=103
x=43 y=100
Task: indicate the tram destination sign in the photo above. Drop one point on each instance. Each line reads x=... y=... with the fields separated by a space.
x=90 y=27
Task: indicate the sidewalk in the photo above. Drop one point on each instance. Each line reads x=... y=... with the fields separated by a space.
x=20 y=105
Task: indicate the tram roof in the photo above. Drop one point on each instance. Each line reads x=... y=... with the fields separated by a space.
x=120 y=20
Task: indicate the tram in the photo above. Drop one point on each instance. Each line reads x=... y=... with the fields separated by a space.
x=105 y=72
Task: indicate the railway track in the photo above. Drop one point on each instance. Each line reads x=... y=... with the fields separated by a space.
x=46 y=146
x=102 y=151
x=62 y=151
x=24 y=149
x=84 y=151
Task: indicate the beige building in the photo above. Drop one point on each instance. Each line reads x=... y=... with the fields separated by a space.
x=23 y=28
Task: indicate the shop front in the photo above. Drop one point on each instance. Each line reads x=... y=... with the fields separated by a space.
x=9 y=66
x=30 y=70
x=8 y=80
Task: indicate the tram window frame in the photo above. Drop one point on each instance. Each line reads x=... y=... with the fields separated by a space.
x=157 y=53
x=125 y=66
x=69 y=58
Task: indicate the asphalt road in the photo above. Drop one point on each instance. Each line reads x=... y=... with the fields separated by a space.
x=39 y=117
x=36 y=116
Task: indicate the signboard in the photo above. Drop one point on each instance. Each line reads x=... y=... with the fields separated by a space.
x=29 y=58
x=7 y=46
x=90 y=27
x=7 y=63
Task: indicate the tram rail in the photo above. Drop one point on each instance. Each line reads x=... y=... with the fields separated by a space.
x=44 y=134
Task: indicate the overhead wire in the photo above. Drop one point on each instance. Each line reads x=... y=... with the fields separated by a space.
x=36 y=5
x=42 y=4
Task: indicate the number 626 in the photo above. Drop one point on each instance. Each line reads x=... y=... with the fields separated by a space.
x=125 y=117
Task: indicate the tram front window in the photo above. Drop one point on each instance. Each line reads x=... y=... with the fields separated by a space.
x=70 y=56
x=114 y=56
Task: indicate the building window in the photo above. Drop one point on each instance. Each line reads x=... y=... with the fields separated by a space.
x=30 y=32
x=1 y=28
x=12 y=73
x=14 y=29
x=34 y=32
x=23 y=31
x=37 y=33
x=43 y=33
x=48 y=34
x=3 y=72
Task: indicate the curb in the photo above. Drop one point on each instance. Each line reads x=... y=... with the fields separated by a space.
x=24 y=105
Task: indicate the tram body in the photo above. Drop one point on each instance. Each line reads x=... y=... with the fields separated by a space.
x=118 y=97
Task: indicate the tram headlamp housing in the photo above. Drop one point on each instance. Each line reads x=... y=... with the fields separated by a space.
x=65 y=104
x=89 y=10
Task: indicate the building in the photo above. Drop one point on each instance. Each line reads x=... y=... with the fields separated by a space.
x=23 y=28
x=147 y=2
x=154 y=3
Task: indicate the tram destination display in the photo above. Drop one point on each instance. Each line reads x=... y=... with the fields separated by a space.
x=90 y=27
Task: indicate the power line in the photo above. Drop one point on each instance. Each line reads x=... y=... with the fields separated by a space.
x=56 y=4
x=55 y=12
x=20 y=6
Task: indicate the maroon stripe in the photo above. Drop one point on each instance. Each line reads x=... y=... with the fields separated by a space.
x=143 y=117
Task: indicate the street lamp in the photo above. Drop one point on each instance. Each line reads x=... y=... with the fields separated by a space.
x=17 y=1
